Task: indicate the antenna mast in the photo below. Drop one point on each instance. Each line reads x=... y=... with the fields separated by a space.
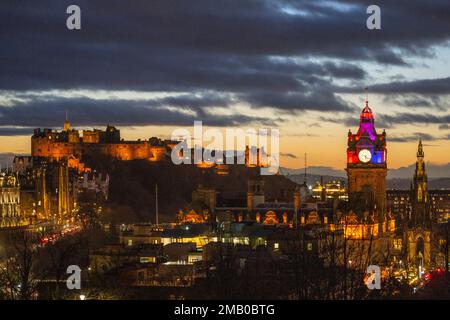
x=366 y=89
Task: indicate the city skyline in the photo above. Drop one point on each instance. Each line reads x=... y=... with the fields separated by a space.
x=194 y=152
x=20 y=145
x=174 y=74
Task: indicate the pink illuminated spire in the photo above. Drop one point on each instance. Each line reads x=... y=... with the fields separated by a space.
x=367 y=120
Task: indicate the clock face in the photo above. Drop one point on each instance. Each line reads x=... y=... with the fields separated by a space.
x=364 y=155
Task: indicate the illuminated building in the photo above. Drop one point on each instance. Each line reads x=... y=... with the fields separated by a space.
x=21 y=164
x=420 y=204
x=10 y=213
x=255 y=157
x=68 y=144
x=55 y=189
x=399 y=202
x=193 y=216
x=98 y=183
x=440 y=204
x=422 y=214
x=330 y=190
x=140 y=234
x=213 y=205
x=419 y=223
x=199 y=234
x=367 y=164
x=252 y=157
x=366 y=171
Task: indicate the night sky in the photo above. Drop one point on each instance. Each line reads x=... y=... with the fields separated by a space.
x=301 y=66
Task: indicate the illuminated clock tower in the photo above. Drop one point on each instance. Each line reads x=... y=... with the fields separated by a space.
x=366 y=165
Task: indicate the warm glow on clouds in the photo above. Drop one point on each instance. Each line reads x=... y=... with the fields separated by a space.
x=240 y=64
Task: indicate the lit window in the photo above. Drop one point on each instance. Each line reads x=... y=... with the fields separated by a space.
x=276 y=245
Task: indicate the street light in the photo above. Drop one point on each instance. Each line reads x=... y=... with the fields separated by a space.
x=82 y=297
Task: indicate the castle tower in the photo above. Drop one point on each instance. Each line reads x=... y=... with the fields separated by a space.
x=255 y=194
x=367 y=166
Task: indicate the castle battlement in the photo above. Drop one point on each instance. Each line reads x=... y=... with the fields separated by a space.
x=69 y=144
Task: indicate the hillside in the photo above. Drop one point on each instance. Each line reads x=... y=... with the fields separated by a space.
x=132 y=188
x=433 y=171
x=397 y=183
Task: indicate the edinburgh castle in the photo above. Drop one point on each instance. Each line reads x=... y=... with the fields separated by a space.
x=68 y=144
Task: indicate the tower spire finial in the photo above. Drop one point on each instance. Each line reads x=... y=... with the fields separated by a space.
x=366 y=89
x=66 y=122
x=420 y=148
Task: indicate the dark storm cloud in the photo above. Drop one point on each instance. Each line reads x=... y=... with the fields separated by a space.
x=159 y=44
x=430 y=94
x=385 y=121
x=87 y=112
x=413 y=137
x=410 y=101
x=320 y=100
x=14 y=131
x=255 y=50
x=412 y=118
x=344 y=70
x=418 y=87
x=350 y=122
x=418 y=101
x=288 y=155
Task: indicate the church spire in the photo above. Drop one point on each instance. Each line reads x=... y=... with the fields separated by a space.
x=367 y=121
x=420 y=176
x=420 y=153
x=66 y=122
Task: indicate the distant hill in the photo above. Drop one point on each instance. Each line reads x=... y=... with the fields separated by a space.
x=312 y=178
x=397 y=183
x=315 y=171
x=438 y=175
x=132 y=188
x=433 y=183
x=433 y=171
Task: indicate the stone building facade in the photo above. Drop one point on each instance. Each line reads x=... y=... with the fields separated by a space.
x=10 y=213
